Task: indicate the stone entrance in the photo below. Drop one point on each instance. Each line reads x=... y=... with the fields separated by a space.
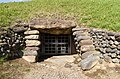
x=56 y=44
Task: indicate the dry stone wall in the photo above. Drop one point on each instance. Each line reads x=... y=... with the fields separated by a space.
x=32 y=40
x=94 y=45
x=108 y=43
x=11 y=43
x=85 y=48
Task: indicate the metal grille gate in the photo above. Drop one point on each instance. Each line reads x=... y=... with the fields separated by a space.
x=56 y=44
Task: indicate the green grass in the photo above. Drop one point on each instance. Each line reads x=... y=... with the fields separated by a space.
x=93 y=13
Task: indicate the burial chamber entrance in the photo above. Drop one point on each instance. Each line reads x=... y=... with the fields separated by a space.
x=56 y=44
x=54 y=37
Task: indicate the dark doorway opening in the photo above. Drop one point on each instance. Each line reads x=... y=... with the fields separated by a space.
x=56 y=44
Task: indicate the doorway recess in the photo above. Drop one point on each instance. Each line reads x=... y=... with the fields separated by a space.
x=56 y=44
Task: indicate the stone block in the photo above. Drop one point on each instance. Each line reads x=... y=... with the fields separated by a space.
x=32 y=48
x=107 y=58
x=32 y=43
x=82 y=38
x=86 y=42
x=31 y=32
x=89 y=62
x=86 y=48
x=86 y=54
x=30 y=59
x=32 y=37
x=80 y=29
x=30 y=53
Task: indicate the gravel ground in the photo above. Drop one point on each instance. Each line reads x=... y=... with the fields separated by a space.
x=56 y=67
x=61 y=67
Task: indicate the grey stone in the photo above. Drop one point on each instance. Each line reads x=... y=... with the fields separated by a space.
x=80 y=29
x=113 y=55
x=32 y=37
x=77 y=32
x=82 y=34
x=1 y=41
x=68 y=65
x=118 y=38
x=102 y=50
x=113 y=46
x=117 y=35
x=118 y=47
x=113 y=50
x=107 y=58
x=111 y=33
x=116 y=43
x=86 y=48
x=108 y=50
x=32 y=48
x=111 y=42
x=86 y=42
x=118 y=57
x=30 y=59
x=88 y=53
x=82 y=38
x=31 y=32
x=115 y=60
x=112 y=38
x=117 y=52
x=89 y=62
x=32 y=43
x=30 y=53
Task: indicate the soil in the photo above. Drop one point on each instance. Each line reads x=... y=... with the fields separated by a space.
x=59 y=67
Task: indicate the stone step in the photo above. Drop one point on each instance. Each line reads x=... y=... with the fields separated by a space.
x=31 y=32
x=32 y=37
x=32 y=43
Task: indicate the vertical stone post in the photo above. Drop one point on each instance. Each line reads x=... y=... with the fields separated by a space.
x=32 y=45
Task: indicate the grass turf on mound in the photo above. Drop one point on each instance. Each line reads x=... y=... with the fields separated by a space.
x=93 y=13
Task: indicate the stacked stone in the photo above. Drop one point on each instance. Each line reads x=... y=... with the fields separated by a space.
x=108 y=43
x=32 y=45
x=4 y=49
x=11 y=43
x=85 y=48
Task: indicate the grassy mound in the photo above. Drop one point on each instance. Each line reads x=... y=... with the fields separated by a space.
x=94 y=13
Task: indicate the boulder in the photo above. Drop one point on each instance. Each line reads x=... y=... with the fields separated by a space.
x=89 y=62
x=88 y=53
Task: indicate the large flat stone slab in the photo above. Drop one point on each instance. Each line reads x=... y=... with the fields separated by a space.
x=53 y=26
